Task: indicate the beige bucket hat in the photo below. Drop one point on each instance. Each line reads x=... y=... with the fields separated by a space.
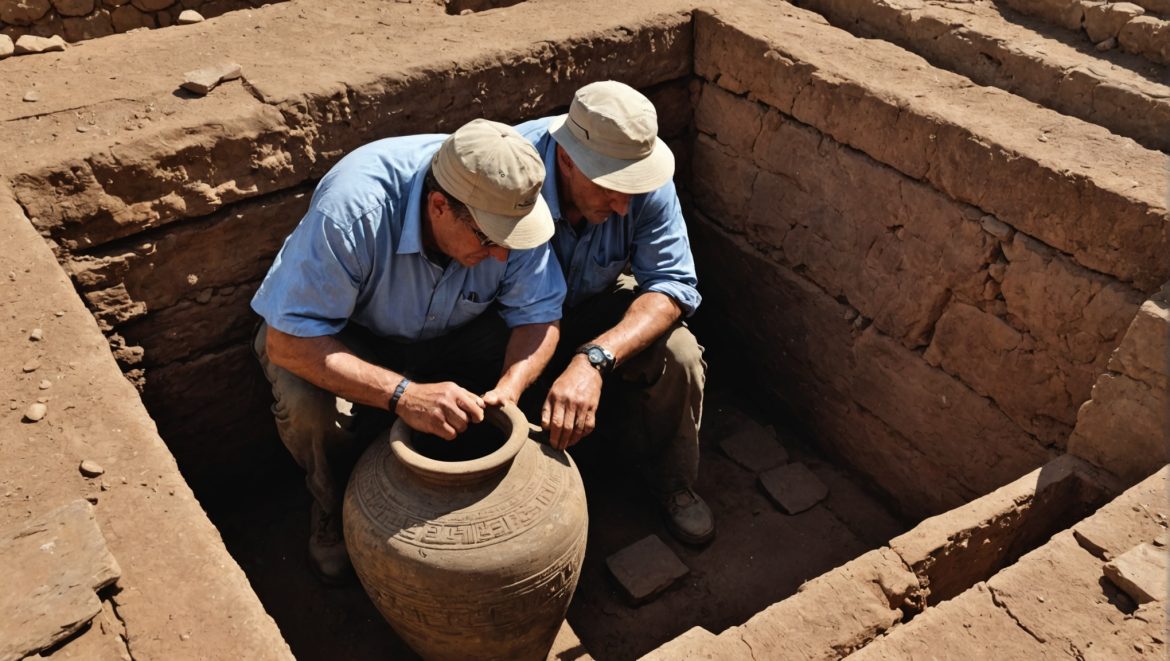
x=498 y=174
x=611 y=133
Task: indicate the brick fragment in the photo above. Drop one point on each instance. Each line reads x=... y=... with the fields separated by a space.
x=794 y=488
x=646 y=568
x=202 y=81
x=755 y=448
x=28 y=44
x=1141 y=573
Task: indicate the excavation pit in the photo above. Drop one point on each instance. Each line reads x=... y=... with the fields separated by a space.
x=920 y=295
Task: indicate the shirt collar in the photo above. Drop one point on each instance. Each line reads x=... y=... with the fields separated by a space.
x=410 y=241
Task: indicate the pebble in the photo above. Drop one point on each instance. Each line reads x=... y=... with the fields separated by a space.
x=83 y=129
x=45 y=384
x=36 y=412
x=189 y=16
x=202 y=81
x=36 y=335
x=59 y=313
x=29 y=44
x=90 y=468
x=31 y=96
x=1107 y=44
x=184 y=636
x=6 y=46
x=31 y=366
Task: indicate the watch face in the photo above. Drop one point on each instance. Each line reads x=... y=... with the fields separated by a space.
x=596 y=356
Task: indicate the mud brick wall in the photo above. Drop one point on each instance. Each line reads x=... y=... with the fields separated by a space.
x=934 y=293
x=78 y=20
x=1139 y=27
x=168 y=235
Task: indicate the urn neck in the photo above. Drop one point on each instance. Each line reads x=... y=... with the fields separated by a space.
x=507 y=418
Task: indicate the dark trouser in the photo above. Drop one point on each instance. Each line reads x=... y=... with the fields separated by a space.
x=652 y=405
x=326 y=434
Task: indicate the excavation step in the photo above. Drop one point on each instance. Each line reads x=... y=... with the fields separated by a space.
x=1138 y=27
x=1130 y=98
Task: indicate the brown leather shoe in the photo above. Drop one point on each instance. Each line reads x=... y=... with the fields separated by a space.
x=327 y=554
x=688 y=517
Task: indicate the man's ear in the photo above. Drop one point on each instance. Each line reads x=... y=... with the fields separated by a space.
x=437 y=203
x=564 y=160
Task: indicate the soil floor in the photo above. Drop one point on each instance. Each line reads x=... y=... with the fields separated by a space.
x=759 y=556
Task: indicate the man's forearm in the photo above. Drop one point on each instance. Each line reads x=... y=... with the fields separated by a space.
x=648 y=317
x=530 y=347
x=327 y=363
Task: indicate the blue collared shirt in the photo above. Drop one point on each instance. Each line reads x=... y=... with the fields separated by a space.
x=651 y=238
x=357 y=255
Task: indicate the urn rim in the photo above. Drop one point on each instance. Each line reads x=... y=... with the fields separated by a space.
x=507 y=418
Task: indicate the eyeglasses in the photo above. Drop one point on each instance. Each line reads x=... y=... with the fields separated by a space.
x=483 y=239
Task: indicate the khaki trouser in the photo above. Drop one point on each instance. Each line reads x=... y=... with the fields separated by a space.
x=326 y=434
x=652 y=405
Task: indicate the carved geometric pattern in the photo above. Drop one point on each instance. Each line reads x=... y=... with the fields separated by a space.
x=530 y=498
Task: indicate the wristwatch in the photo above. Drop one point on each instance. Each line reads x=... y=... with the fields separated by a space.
x=598 y=356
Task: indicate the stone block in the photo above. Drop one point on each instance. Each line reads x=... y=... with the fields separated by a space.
x=1147 y=36
x=29 y=44
x=811 y=624
x=1068 y=14
x=202 y=81
x=936 y=126
x=152 y=5
x=1106 y=19
x=793 y=487
x=97 y=24
x=63 y=561
x=129 y=17
x=24 y=12
x=646 y=568
x=1035 y=386
x=1138 y=515
x=74 y=7
x=732 y=121
x=722 y=183
x=754 y=447
x=1143 y=351
x=189 y=17
x=1141 y=572
x=7 y=48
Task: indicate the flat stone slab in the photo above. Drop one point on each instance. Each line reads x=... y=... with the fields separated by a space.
x=202 y=81
x=52 y=568
x=754 y=447
x=793 y=487
x=28 y=44
x=646 y=568
x=1141 y=572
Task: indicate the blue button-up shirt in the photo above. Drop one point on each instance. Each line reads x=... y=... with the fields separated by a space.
x=651 y=238
x=357 y=255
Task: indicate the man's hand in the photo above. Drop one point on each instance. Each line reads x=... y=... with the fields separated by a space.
x=443 y=409
x=570 y=411
x=500 y=395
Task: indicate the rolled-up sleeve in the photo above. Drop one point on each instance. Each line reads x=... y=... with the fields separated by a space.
x=533 y=289
x=312 y=287
x=662 y=259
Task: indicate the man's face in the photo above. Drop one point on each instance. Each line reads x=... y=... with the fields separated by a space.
x=458 y=237
x=594 y=202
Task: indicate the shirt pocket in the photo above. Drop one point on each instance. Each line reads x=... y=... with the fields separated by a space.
x=603 y=273
x=469 y=306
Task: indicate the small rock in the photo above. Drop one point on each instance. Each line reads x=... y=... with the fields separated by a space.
x=186 y=636
x=28 y=44
x=203 y=297
x=104 y=486
x=45 y=384
x=83 y=129
x=1107 y=44
x=31 y=96
x=996 y=227
x=189 y=16
x=93 y=500
x=90 y=468
x=755 y=448
x=7 y=48
x=35 y=412
x=36 y=335
x=1162 y=539
x=202 y=81
x=31 y=366
x=794 y=488
x=59 y=313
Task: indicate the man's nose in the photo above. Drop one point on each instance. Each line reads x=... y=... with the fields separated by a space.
x=620 y=203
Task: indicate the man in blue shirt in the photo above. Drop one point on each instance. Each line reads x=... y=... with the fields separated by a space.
x=615 y=208
x=406 y=244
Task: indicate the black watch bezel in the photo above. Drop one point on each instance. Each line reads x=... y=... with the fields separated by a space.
x=599 y=357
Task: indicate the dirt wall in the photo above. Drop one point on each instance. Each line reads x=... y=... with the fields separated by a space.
x=918 y=293
x=78 y=20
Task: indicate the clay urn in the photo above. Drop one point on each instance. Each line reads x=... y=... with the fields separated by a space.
x=471 y=558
